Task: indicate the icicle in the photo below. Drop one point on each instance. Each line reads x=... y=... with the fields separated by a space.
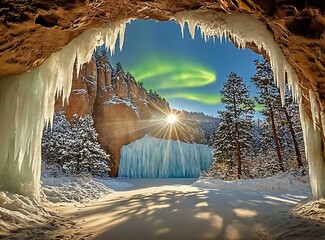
x=314 y=155
x=191 y=28
x=323 y=121
x=27 y=104
x=313 y=108
x=152 y=157
x=182 y=24
x=242 y=29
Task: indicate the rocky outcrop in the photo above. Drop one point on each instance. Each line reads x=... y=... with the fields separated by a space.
x=122 y=109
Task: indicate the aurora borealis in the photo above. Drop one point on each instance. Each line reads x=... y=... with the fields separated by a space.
x=188 y=73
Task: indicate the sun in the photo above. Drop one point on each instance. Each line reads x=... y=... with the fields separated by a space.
x=171 y=118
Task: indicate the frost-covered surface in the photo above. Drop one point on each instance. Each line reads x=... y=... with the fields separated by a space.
x=283 y=183
x=117 y=100
x=27 y=102
x=153 y=157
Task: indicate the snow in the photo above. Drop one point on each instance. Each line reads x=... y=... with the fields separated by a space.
x=79 y=91
x=71 y=189
x=153 y=157
x=176 y=207
x=281 y=183
x=17 y=211
x=27 y=103
x=118 y=100
x=21 y=212
x=313 y=210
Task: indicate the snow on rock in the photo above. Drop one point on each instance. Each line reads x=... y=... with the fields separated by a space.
x=118 y=100
x=79 y=91
x=284 y=183
x=153 y=157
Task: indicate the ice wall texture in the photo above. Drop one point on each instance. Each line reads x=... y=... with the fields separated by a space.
x=27 y=104
x=151 y=157
x=244 y=28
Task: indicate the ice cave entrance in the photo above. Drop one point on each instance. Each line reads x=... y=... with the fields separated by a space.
x=20 y=139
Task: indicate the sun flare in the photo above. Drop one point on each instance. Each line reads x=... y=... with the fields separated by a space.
x=171 y=118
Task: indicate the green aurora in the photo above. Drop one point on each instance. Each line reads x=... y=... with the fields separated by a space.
x=177 y=81
x=163 y=73
x=183 y=80
x=188 y=72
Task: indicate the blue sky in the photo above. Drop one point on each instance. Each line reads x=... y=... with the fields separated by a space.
x=188 y=72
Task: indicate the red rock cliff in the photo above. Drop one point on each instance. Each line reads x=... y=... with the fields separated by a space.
x=122 y=109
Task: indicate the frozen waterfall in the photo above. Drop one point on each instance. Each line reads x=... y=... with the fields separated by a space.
x=27 y=104
x=153 y=157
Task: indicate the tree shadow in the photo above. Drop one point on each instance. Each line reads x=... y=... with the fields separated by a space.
x=189 y=213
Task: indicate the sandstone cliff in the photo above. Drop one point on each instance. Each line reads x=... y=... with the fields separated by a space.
x=122 y=109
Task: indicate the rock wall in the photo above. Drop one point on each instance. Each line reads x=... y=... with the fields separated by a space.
x=122 y=109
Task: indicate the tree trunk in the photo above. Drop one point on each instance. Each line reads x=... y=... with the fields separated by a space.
x=276 y=141
x=238 y=152
x=295 y=142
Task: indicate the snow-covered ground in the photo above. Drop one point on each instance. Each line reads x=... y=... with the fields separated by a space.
x=81 y=189
x=22 y=214
x=165 y=208
x=283 y=183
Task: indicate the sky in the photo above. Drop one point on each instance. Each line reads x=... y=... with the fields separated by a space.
x=188 y=72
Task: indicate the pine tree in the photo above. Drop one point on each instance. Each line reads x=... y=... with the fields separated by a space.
x=280 y=117
x=234 y=134
x=73 y=147
x=268 y=97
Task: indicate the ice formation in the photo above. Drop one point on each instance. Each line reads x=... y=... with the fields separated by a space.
x=243 y=29
x=27 y=103
x=153 y=157
x=314 y=154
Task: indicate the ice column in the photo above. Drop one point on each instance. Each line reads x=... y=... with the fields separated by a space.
x=27 y=103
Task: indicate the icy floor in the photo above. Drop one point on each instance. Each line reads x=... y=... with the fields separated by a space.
x=185 y=209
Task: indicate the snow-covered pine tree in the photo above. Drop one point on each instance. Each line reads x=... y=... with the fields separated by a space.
x=73 y=147
x=280 y=117
x=234 y=134
x=268 y=97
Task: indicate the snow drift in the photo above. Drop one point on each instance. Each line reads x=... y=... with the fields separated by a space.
x=153 y=157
